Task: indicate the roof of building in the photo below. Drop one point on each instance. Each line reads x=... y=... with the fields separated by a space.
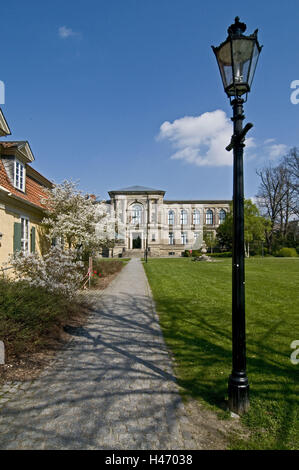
x=198 y=201
x=4 y=129
x=137 y=190
x=22 y=147
x=34 y=190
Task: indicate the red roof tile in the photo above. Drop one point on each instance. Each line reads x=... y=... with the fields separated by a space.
x=33 y=190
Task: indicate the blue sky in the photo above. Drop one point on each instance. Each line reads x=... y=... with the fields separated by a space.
x=90 y=83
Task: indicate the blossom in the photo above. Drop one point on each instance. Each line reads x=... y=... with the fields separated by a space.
x=58 y=270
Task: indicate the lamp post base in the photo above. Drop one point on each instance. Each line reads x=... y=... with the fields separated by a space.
x=238 y=394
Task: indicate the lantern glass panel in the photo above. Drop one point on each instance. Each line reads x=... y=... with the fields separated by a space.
x=242 y=52
x=224 y=57
x=255 y=57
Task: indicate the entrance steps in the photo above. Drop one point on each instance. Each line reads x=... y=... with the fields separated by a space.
x=136 y=253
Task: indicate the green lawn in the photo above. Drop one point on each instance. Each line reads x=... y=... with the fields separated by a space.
x=194 y=303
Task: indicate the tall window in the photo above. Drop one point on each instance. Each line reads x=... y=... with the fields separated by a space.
x=209 y=217
x=222 y=215
x=19 y=176
x=137 y=214
x=196 y=217
x=171 y=218
x=183 y=217
x=25 y=234
x=170 y=238
x=184 y=239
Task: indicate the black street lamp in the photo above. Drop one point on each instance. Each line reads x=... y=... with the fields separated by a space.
x=237 y=58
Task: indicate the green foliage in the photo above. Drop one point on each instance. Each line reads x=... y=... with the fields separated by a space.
x=194 y=305
x=224 y=254
x=210 y=239
x=28 y=313
x=188 y=254
x=254 y=226
x=287 y=252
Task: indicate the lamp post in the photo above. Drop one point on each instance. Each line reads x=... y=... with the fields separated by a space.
x=147 y=221
x=237 y=58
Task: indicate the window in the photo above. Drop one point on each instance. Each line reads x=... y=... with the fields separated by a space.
x=137 y=212
x=19 y=176
x=183 y=217
x=222 y=215
x=153 y=237
x=170 y=238
x=171 y=218
x=196 y=235
x=209 y=217
x=196 y=217
x=25 y=234
x=184 y=238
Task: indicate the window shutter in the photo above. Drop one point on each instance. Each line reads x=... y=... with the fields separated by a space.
x=17 y=246
x=32 y=240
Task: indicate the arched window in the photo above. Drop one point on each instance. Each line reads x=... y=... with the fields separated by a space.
x=196 y=217
x=209 y=217
x=183 y=217
x=222 y=215
x=171 y=217
x=136 y=214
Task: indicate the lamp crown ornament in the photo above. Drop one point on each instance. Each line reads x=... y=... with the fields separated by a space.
x=237 y=28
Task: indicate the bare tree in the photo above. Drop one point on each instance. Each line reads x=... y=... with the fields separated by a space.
x=291 y=164
x=278 y=195
x=271 y=196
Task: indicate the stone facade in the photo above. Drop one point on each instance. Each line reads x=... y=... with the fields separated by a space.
x=166 y=227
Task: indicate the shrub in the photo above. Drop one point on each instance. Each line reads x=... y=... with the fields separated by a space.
x=107 y=267
x=28 y=313
x=224 y=254
x=196 y=253
x=186 y=253
x=57 y=271
x=287 y=253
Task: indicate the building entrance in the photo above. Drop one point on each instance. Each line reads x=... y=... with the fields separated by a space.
x=136 y=241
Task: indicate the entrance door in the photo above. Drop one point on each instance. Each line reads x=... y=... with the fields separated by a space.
x=137 y=242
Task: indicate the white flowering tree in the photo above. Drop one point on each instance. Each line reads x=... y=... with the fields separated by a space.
x=78 y=219
x=58 y=270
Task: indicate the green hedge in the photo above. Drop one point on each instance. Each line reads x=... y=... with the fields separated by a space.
x=287 y=253
x=224 y=254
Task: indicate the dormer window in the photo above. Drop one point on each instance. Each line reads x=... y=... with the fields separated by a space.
x=19 y=175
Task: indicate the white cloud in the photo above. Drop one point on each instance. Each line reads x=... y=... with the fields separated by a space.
x=276 y=151
x=65 y=32
x=201 y=140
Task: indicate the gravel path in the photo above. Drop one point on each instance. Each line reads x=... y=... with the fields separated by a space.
x=111 y=388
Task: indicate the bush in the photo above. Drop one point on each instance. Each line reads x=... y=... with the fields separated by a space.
x=107 y=267
x=287 y=253
x=188 y=253
x=57 y=271
x=28 y=313
x=224 y=254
